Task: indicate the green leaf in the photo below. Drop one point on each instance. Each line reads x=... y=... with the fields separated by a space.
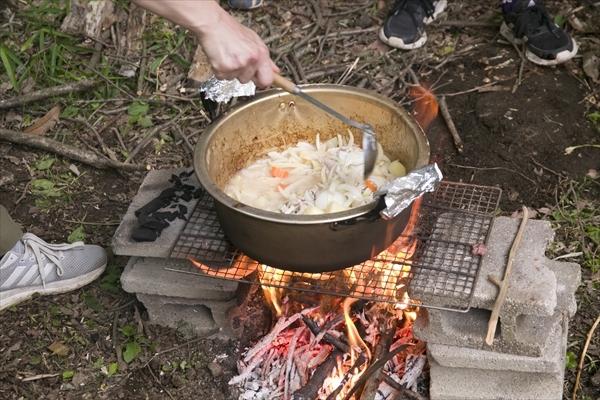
x=92 y=302
x=112 y=369
x=128 y=330
x=145 y=121
x=43 y=184
x=77 y=235
x=98 y=363
x=35 y=361
x=67 y=374
x=131 y=350
x=138 y=109
x=570 y=360
x=44 y=164
x=560 y=20
x=9 y=67
x=70 y=112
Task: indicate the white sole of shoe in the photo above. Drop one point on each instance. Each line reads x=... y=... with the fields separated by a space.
x=561 y=57
x=399 y=43
x=18 y=295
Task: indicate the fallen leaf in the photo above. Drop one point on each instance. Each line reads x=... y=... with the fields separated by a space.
x=13 y=159
x=59 y=349
x=590 y=65
x=592 y=173
x=45 y=123
x=596 y=276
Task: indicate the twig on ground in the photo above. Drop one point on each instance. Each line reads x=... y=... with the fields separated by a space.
x=37 y=377
x=492 y=169
x=150 y=136
x=347 y=72
x=184 y=138
x=583 y=353
x=505 y=282
x=49 y=92
x=105 y=79
x=292 y=69
x=96 y=133
x=142 y=69
x=300 y=69
x=119 y=352
x=67 y=151
x=446 y=114
x=24 y=192
x=523 y=62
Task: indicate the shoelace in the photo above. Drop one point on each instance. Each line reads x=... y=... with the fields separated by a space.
x=51 y=251
x=428 y=6
x=535 y=15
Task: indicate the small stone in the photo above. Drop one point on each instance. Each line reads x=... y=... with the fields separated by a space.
x=178 y=381
x=215 y=369
x=595 y=379
x=155 y=364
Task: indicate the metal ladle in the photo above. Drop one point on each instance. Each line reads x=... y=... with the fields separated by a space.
x=369 y=142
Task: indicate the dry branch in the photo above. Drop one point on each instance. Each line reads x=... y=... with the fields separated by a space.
x=585 y=347
x=67 y=151
x=446 y=114
x=50 y=92
x=375 y=367
x=504 y=283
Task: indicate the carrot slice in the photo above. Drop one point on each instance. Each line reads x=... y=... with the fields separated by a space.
x=280 y=186
x=279 y=173
x=370 y=185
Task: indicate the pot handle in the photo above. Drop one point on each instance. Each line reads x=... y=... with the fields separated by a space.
x=371 y=216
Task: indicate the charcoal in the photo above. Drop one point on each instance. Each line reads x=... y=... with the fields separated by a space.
x=186 y=196
x=144 y=234
x=150 y=207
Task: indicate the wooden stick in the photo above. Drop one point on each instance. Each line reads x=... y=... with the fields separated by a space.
x=504 y=283
x=580 y=367
x=65 y=150
x=374 y=367
x=50 y=92
x=450 y=123
x=383 y=347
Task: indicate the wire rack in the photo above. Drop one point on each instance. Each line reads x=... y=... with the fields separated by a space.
x=430 y=265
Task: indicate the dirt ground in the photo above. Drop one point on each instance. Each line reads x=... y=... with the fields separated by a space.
x=514 y=138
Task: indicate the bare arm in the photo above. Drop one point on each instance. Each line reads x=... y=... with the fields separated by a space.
x=233 y=50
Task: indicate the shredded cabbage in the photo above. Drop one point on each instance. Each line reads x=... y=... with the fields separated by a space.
x=321 y=178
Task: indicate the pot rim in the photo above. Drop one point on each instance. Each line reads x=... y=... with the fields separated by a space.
x=220 y=196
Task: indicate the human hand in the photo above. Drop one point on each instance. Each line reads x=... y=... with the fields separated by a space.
x=235 y=51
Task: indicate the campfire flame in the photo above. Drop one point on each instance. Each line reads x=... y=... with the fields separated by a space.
x=382 y=276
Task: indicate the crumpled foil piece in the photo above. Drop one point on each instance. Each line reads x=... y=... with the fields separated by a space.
x=223 y=91
x=401 y=192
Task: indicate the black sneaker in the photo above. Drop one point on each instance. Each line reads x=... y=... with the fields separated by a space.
x=405 y=27
x=529 y=23
x=245 y=4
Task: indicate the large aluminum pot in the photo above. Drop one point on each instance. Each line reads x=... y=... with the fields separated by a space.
x=275 y=120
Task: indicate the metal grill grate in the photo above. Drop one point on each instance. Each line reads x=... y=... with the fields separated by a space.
x=431 y=266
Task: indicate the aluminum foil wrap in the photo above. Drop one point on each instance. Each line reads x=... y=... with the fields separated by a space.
x=401 y=192
x=223 y=91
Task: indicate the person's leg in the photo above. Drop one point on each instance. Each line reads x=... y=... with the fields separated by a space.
x=10 y=233
x=29 y=265
x=527 y=21
x=404 y=28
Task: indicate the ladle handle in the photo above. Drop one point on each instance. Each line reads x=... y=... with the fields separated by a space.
x=284 y=83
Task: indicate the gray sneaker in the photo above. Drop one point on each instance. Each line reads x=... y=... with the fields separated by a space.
x=34 y=266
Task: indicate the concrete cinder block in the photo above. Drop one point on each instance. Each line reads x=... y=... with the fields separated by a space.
x=551 y=359
x=148 y=276
x=449 y=383
x=203 y=315
x=533 y=285
x=155 y=182
x=469 y=329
